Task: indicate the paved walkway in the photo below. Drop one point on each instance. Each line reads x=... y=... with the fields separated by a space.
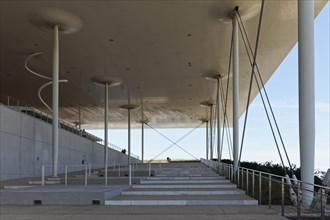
x=138 y=212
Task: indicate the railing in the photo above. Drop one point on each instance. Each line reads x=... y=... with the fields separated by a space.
x=89 y=174
x=274 y=191
x=22 y=107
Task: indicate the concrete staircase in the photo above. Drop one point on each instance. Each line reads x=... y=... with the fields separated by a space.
x=183 y=184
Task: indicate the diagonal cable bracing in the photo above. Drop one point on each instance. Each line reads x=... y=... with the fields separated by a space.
x=173 y=143
x=262 y=88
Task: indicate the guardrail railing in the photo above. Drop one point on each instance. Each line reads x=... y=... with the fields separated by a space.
x=274 y=191
x=22 y=107
x=88 y=174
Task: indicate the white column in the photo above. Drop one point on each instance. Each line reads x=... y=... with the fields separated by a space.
x=207 y=140
x=129 y=136
x=55 y=100
x=79 y=117
x=211 y=132
x=142 y=142
x=218 y=119
x=235 y=91
x=106 y=105
x=306 y=97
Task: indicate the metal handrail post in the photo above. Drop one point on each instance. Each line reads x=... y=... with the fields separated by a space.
x=253 y=184
x=43 y=175
x=322 y=205
x=247 y=182
x=298 y=202
x=149 y=169
x=270 y=192
x=238 y=177
x=66 y=175
x=86 y=175
x=260 y=188
x=130 y=175
x=282 y=196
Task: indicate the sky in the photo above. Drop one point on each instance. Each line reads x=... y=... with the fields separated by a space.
x=259 y=146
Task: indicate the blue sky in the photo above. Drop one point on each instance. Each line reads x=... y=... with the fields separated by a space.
x=259 y=145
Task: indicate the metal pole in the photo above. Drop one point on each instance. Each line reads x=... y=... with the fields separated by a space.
x=130 y=175
x=106 y=95
x=218 y=120
x=259 y=188
x=306 y=97
x=282 y=196
x=298 y=201
x=235 y=91
x=247 y=182
x=43 y=175
x=270 y=192
x=207 y=140
x=142 y=141
x=253 y=184
x=55 y=100
x=211 y=132
x=149 y=169
x=129 y=136
x=66 y=175
x=79 y=117
x=85 y=175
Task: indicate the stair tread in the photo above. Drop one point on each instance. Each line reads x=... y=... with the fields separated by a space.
x=184 y=197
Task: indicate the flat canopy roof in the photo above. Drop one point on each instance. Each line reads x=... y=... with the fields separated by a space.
x=161 y=50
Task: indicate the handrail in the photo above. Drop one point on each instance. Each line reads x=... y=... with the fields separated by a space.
x=22 y=107
x=259 y=185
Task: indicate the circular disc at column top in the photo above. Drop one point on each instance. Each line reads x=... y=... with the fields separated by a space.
x=47 y=18
x=110 y=80
x=206 y=104
x=145 y=121
x=212 y=75
x=204 y=120
x=128 y=106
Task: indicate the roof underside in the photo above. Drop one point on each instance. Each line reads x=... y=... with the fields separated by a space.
x=160 y=49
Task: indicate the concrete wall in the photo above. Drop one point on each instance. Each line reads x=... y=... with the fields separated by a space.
x=25 y=145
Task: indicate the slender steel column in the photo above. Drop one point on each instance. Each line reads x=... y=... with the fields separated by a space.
x=306 y=97
x=106 y=106
x=79 y=117
x=211 y=131
x=218 y=119
x=142 y=142
x=207 y=140
x=235 y=91
x=55 y=100
x=129 y=136
x=129 y=107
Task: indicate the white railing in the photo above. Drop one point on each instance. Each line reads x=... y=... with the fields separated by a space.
x=88 y=174
x=270 y=189
x=22 y=107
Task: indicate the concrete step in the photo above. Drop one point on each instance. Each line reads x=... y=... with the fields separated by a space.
x=47 y=182
x=183 y=200
x=182 y=192
x=54 y=178
x=178 y=202
x=182 y=181
x=184 y=186
x=186 y=175
x=186 y=178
